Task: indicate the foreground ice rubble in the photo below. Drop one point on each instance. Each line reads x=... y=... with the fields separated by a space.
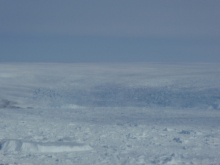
x=105 y=137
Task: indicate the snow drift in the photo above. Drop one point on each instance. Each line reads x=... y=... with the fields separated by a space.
x=12 y=145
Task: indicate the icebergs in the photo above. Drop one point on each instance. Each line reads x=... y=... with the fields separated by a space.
x=12 y=145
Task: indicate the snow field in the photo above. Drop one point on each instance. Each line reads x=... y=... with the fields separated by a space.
x=147 y=114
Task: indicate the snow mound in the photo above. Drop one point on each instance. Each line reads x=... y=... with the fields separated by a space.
x=11 y=145
x=72 y=106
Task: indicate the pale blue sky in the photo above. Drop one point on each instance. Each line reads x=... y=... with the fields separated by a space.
x=109 y=31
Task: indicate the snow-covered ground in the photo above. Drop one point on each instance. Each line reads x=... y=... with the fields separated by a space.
x=137 y=113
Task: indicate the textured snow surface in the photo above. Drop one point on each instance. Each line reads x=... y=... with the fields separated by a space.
x=84 y=114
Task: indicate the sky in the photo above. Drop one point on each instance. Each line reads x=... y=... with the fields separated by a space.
x=71 y=31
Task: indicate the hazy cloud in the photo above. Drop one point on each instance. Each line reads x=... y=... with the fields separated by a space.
x=111 y=18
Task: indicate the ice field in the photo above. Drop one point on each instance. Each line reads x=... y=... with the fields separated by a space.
x=109 y=114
